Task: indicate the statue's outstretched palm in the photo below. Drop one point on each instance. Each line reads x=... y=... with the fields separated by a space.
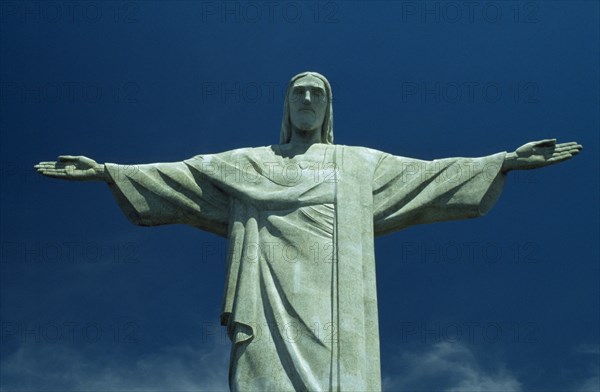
x=534 y=155
x=68 y=167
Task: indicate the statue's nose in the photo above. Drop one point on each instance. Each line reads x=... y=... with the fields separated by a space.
x=307 y=97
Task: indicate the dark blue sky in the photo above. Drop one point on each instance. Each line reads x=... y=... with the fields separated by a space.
x=507 y=302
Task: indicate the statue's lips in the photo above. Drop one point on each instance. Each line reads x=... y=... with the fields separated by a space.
x=307 y=110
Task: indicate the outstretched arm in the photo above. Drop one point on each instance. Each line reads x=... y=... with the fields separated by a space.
x=534 y=155
x=74 y=168
x=152 y=194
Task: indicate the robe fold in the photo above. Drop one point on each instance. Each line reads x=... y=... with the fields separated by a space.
x=300 y=300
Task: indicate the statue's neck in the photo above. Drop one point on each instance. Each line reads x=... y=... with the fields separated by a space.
x=305 y=138
x=302 y=151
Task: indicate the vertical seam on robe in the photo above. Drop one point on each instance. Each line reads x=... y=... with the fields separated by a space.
x=334 y=264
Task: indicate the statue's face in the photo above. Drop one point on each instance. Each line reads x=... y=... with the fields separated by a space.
x=308 y=103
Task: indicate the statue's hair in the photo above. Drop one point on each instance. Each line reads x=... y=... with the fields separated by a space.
x=326 y=127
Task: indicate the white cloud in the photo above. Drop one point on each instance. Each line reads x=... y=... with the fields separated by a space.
x=47 y=367
x=449 y=367
x=588 y=349
x=592 y=383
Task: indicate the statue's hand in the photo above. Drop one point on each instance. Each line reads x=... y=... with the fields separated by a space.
x=75 y=168
x=538 y=154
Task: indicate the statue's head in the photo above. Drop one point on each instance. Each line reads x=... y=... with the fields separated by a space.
x=308 y=107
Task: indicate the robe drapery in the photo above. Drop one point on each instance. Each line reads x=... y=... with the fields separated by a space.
x=300 y=300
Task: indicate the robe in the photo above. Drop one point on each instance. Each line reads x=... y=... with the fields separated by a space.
x=300 y=298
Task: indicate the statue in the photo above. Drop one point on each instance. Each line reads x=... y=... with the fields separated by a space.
x=300 y=302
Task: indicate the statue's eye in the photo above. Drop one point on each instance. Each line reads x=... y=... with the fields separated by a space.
x=318 y=92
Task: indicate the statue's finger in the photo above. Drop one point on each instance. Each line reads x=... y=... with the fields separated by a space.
x=52 y=172
x=47 y=172
x=48 y=165
x=572 y=147
x=569 y=144
x=562 y=156
x=562 y=153
x=55 y=175
x=559 y=158
x=571 y=151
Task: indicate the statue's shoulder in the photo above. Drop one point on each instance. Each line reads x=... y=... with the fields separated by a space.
x=362 y=150
x=363 y=153
x=248 y=152
x=235 y=153
x=264 y=152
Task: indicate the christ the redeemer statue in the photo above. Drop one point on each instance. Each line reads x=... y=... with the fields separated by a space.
x=300 y=302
